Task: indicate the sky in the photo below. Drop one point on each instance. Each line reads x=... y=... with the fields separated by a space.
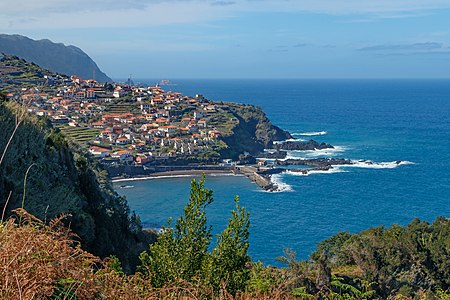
x=171 y=39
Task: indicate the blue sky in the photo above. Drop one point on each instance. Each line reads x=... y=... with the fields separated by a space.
x=246 y=39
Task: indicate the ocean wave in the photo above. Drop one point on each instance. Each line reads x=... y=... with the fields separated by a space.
x=312 y=133
x=289 y=140
x=305 y=154
x=312 y=172
x=368 y=164
x=282 y=186
x=270 y=150
x=326 y=152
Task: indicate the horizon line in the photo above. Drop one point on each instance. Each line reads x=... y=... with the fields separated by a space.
x=281 y=78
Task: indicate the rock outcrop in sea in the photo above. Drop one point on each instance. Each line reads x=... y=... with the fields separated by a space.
x=303 y=146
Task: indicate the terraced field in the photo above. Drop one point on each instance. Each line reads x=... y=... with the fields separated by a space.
x=121 y=107
x=80 y=135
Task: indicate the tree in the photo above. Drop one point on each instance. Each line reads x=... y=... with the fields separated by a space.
x=179 y=252
x=2 y=97
x=229 y=260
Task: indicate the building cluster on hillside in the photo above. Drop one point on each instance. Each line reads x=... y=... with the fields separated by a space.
x=129 y=124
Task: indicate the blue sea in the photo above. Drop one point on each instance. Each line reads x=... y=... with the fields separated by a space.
x=379 y=120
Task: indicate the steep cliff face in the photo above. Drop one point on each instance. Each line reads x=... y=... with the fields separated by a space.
x=61 y=181
x=252 y=133
x=56 y=57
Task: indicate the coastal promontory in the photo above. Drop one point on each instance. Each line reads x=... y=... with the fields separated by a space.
x=251 y=131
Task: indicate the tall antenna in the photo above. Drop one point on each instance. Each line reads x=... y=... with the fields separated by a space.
x=130 y=81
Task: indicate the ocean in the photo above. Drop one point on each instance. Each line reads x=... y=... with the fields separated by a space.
x=379 y=120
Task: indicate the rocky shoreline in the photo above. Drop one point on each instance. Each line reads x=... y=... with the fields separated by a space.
x=302 y=146
x=315 y=162
x=279 y=150
x=261 y=174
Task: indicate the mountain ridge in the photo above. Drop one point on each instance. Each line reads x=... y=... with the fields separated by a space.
x=57 y=57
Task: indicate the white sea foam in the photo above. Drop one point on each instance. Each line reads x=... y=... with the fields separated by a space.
x=282 y=186
x=270 y=150
x=312 y=172
x=312 y=133
x=326 y=152
x=367 y=164
x=305 y=154
x=289 y=140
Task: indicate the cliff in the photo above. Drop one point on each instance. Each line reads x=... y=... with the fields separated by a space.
x=61 y=180
x=56 y=57
x=252 y=131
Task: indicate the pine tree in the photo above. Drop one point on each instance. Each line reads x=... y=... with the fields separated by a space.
x=180 y=252
x=229 y=260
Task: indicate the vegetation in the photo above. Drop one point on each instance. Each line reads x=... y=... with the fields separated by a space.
x=53 y=56
x=183 y=250
x=80 y=135
x=43 y=262
x=249 y=131
x=43 y=172
x=63 y=180
x=398 y=260
x=18 y=73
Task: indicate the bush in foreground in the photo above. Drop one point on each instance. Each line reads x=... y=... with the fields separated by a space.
x=40 y=261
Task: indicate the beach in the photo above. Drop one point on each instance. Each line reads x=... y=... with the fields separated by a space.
x=173 y=174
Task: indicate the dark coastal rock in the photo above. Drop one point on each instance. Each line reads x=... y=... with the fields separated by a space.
x=316 y=162
x=309 y=145
x=271 y=171
x=306 y=171
x=274 y=155
x=246 y=160
x=252 y=132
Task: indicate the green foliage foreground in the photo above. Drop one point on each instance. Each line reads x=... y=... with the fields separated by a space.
x=43 y=262
x=181 y=253
x=411 y=262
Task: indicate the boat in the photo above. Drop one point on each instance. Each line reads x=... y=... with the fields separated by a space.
x=166 y=82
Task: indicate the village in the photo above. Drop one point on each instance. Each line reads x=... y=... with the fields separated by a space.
x=125 y=124
x=138 y=131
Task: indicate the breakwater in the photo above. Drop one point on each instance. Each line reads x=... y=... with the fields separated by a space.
x=259 y=175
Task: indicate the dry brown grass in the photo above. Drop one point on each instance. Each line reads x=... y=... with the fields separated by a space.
x=41 y=261
x=35 y=259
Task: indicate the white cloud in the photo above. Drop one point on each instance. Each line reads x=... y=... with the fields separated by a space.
x=345 y=7
x=133 y=13
x=427 y=46
x=107 y=14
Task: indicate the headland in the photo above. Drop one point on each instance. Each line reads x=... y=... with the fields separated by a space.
x=136 y=131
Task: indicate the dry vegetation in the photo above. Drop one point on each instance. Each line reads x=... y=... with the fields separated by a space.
x=41 y=261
